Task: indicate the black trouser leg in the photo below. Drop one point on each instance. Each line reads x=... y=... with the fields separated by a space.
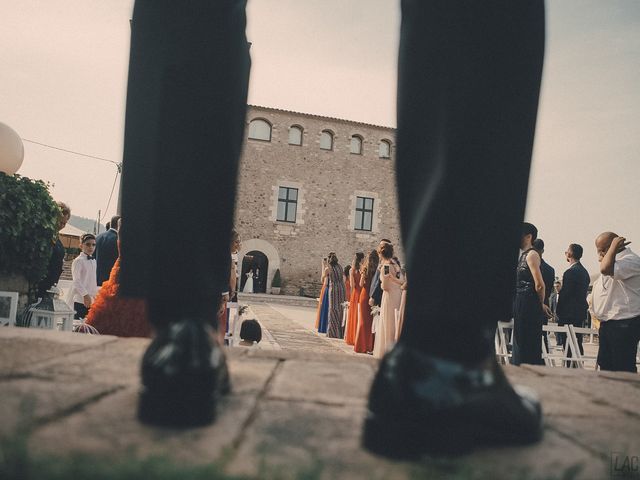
x=619 y=345
x=469 y=79
x=186 y=103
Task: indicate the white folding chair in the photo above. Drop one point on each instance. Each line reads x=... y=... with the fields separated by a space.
x=556 y=356
x=502 y=341
x=579 y=357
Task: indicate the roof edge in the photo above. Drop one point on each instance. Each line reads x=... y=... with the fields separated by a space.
x=322 y=117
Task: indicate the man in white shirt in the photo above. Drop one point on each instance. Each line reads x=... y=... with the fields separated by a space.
x=616 y=303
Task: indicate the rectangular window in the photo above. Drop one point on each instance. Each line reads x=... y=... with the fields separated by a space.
x=287 y=204
x=364 y=213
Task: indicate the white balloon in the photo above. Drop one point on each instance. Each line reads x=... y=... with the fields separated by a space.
x=11 y=150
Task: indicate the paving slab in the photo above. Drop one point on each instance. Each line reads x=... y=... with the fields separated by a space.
x=41 y=345
x=293 y=411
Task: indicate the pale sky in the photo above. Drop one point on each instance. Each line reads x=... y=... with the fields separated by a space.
x=63 y=83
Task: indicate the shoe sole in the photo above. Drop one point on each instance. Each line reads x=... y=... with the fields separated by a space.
x=398 y=441
x=181 y=410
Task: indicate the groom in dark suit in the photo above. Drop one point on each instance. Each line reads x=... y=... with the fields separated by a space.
x=572 y=302
x=107 y=250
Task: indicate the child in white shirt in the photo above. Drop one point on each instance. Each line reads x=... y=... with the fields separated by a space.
x=83 y=271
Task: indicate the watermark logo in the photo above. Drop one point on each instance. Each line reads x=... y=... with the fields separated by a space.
x=625 y=466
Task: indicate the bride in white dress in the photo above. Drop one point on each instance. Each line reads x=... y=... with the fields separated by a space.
x=248 y=286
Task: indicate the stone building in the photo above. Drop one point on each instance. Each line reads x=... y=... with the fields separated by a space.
x=310 y=185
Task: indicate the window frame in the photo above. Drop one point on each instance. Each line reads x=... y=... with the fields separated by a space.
x=260 y=119
x=287 y=201
x=361 y=144
x=301 y=130
x=363 y=210
x=388 y=143
x=333 y=140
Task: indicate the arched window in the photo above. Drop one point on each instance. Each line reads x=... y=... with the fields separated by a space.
x=326 y=140
x=295 y=135
x=356 y=144
x=385 y=149
x=260 y=130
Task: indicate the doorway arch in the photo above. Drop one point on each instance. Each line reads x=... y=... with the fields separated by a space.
x=265 y=248
x=256 y=264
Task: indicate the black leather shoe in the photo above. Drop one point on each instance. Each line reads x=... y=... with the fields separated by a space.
x=184 y=372
x=425 y=405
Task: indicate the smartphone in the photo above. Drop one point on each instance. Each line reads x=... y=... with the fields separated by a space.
x=386 y=269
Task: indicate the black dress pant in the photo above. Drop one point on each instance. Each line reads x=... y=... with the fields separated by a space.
x=186 y=103
x=468 y=88
x=469 y=78
x=619 y=345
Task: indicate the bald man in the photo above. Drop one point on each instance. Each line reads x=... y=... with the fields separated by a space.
x=616 y=303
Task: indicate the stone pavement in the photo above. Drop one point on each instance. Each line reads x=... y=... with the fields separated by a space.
x=292 y=410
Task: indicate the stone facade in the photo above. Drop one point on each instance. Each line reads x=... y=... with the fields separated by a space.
x=328 y=184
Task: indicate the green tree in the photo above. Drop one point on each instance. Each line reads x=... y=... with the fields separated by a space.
x=28 y=226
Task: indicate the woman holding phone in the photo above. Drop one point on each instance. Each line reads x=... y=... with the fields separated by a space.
x=391 y=280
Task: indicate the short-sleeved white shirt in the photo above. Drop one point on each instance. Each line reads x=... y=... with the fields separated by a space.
x=617 y=297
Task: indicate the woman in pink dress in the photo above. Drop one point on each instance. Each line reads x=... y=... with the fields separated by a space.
x=391 y=279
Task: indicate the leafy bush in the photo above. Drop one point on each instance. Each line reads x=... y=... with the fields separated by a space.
x=277 y=281
x=28 y=226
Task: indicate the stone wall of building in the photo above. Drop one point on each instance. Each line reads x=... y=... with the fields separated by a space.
x=328 y=182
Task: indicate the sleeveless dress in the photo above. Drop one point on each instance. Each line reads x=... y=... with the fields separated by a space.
x=337 y=296
x=364 y=337
x=391 y=298
x=352 y=319
x=323 y=318
x=527 y=317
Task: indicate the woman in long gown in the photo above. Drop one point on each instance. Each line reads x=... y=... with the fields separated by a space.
x=322 y=318
x=354 y=298
x=337 y=296
x=113 y=314
x=528 y=306
x=391 y=280
x=248 y=285
x=364 y=337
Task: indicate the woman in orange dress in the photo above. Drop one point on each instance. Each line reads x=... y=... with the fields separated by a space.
x=113 y=314
x=364 y=338
x=354 y=299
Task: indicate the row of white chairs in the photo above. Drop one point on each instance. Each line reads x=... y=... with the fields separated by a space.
x=552 y=355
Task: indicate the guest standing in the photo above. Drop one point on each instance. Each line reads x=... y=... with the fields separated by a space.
x=56 y=260
x=572 y=306
x=107 y=250
x=354 y=299
x=114 y=314
x=337 y=296
x=529 y=307
x=548 y=276
x=83 y=271
x=390 y=281
x=364 y=335
x=616 y=303
x=322 y=314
